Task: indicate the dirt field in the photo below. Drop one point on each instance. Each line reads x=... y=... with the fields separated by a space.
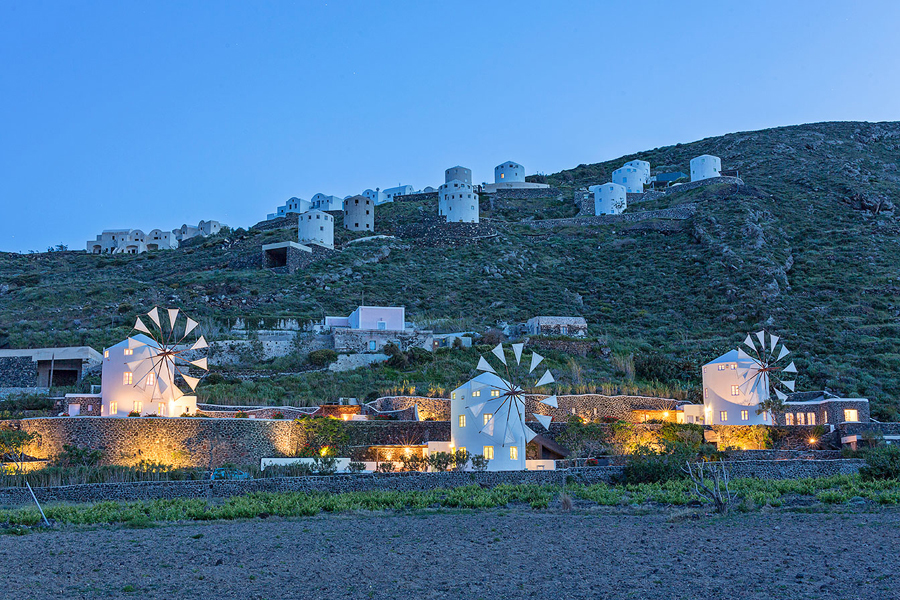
x=513 y=553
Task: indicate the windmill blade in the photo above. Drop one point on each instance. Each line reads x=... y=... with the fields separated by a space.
x=173 y=314
x=509 y=437
x=789 y=384
x=154 y=316
x=200 y=344
x=189 y=327
x=791 y=368
x=550 y=401
x=133 y=344
x=544 y=420
x=761 y=336
x=134 y=364
x=545 y=380
x=139 y=325
x=749 y=342
x=773 y=340
x=201 y=363
x=781 y=395
x=529 y=433
x=477 y=408
x=499 y=353
x=784 y=352
x=176 y=393
x=191 y=381
x=483 y=365
x=535 y=361
x=744 y=356
x=517 y=350
x=488 y=428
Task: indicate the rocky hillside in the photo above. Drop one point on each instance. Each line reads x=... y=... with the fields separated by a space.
x=809 y=248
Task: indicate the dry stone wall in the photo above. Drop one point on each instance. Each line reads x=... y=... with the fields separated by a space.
x=681 y=212
x=18 y=372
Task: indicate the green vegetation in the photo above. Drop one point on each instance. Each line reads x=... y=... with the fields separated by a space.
x=663 y=296
x=882 y=462
x=753 y=492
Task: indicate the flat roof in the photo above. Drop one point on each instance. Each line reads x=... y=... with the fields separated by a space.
x=65 y=353
x=278 y=245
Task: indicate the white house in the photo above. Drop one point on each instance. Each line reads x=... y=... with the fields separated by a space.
x=359 y=214
x=123 y=393
x=377 y=318
x=726 y=400
x=641 y=165
x=480 y=425
x=159 y=239
x=458 y=173
x=325 y=202
x=203 y=229
x=458 y=202
x=118 y=241
x=609 y=199
x=548 y=325
x=381 y=196
x=293 y=205
x=705 y=167
x=316 y=227
x=630 y=177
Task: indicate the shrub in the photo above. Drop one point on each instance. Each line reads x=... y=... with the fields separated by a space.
x=241 y=415
x=385 y=467
x=460 y=460
x=440 y=461
x=356 y=466
x=278 y=415
x=413 y=462
x=77 y=456
x=322 y=358
x=134 y=413
x=647 y=465
x=325 y=465
x=881 y=463
x=479 y=463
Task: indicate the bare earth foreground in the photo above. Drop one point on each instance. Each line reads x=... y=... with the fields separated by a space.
x=512 y=553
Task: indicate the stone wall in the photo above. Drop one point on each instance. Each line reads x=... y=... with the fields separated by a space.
x=437 y=409
x=349 y=362
x=357 y=340
x=781 y=469
x=577 y=347
x=18 y=372
x=524 y=194
x=597 y=406
x=681 y=212
x=434 y=230
x=827 y=412
x=416 y=197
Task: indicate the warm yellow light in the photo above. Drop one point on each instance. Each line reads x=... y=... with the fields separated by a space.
x=812 y=440
x=323 y=451
x=345 y=417
x=666 y=414
x=407 y=450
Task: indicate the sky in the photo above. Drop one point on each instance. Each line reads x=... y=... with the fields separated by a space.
x=154 y=114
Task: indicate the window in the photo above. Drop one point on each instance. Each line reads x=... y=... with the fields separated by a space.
x=113 y=408
x=745 y=415
x=495 y=393
x=138 y=406
x=382 y=325
x=733 y=366
x=723 y=416
x=151 y=379
x=462 y=420
x=128 y=352
x=811 y=418
x=513 y=453
x=722 y=367
x=372 y=345
x=453 y=395
x=476 y=393
x=825 y=417
x=127 y=378
x=487 y=417
x=489 y=452
x=706 y=392
x=789 y=418
x=106 y=354
x=851 y=414
x=161 y=409
x=735 y=391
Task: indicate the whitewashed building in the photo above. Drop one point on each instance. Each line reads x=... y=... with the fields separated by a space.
x=641 y=165
x=325 y=202
x=118 y=241
x=316 y=227
x=458 y=173
x=122 y=394
x=293 y=205
x=474 y=428
x=630 y=177
x=359 y=214
x=609 y=198
x=380 y=196
x=458 y=202
x=726 y=401
x=202 y=229
x=705 y=167
x=509 y=172
x=159 y=239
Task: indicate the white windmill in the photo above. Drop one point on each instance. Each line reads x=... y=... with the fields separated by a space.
x=762 y=369
x=144 y=374
x=489 y=411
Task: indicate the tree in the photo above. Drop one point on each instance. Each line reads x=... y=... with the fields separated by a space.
x=773 y=405
x=13 y=443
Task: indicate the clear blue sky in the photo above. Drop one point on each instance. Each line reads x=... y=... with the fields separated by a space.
x=153 y=114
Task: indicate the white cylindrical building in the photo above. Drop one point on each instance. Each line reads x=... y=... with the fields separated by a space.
x=458 y=173
x=705 y=167
x=727 y=398
x=316 y=227
x=359 y=214
x=509 y=171
x=630 y=177
x=640 y=165
x=458 y=202
x=609 y=199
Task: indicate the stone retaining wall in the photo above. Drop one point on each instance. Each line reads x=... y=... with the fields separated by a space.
x=18 y=372
x=152 y=490
x=681 y=212
x=524 y=194
x=416 y=197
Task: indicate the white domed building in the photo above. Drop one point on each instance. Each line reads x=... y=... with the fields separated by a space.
x=316 y=227
x=509 y=172
x=458 y=173
x=641 y=165
x=706 y=166
x=630 y=177
x=325 y=202
x=359 y=214
x=609 y=199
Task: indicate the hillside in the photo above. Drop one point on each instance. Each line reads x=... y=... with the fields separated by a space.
x=808 y=248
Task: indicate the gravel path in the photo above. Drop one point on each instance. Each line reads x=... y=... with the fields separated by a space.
x=511 y=553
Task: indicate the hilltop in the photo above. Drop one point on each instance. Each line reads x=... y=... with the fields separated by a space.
x=807 y=248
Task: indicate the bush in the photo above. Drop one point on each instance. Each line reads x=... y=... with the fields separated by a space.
x=241 y=415
x=134 y=413
x=77 y=456
x=647 y=465
x=385 y=467
x=322 y=358
x=440 y=461
x=881 y=463
x=479 y=463
x=325 y=465
x=356 y=466
x=278 y=415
